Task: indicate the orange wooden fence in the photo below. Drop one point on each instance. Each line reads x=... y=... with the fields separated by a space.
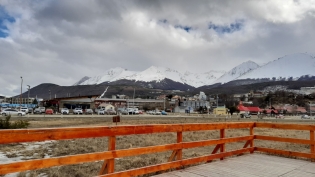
x=174 y=161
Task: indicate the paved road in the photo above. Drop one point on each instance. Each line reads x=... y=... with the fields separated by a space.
x=176 y=116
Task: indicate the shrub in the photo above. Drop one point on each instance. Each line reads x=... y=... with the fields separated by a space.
x=6 y=124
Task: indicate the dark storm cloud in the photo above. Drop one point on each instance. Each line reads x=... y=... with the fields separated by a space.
x=61 y=41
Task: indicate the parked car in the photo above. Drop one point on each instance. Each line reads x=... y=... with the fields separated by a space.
x=64 y=111
x=305 y=116
x=111 y=112
x=279 y=116
x=101 y=112
x=164 y=113
x=78 y=111
x=156 y=112
x=4 y=108
x=132 y=111
x=30 y=110
x=140 y=112
x=245 y=115
x=39 y=110
x=12 y=112
x=49 y=111
x=24 y=109
x=89 y=111
x=124 y=112
x=149 y=112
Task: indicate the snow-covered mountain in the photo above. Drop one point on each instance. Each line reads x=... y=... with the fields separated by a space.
x=154 y=73
x=110 y=75
x=85 y=78
x=237 y=72
x=201 y=79
x=288 y=67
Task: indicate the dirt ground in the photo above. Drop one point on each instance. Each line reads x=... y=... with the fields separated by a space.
x=39 y=150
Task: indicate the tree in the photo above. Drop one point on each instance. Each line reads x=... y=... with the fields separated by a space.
x=233 y=109
x=35 y=101
x=169 y=96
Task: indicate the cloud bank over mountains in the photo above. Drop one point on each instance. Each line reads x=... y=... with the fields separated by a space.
x=62 y=41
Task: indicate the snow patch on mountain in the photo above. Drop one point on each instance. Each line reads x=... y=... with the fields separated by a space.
x=291 y=66
x=85 y=78
x=201 y=79
x=157 y=74
x=237 y=72
x=110 y=75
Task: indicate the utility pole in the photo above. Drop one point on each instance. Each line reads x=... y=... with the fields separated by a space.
x=217 y=100
x=128 y=106
x=49 y=95
x=134 y=91
x=21 y=93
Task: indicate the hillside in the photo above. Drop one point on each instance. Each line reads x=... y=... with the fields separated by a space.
x=42 y=90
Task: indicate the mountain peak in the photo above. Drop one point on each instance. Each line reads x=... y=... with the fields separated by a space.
x=237 y=71
x=83 y=79
x=291 y=66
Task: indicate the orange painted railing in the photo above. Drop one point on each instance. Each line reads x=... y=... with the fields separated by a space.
x=175 y=160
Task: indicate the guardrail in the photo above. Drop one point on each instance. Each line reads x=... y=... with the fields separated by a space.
x=174 y=161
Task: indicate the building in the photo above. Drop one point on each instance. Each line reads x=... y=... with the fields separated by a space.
x=248 y=109
x=202 y=96
x=84 y=102
x=18 y=100
x=195 y=105
x=307 y=90
x=106 y=106
x=137 y=103
x=220 y=111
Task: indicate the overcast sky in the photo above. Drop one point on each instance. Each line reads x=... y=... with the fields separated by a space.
x=61 y=41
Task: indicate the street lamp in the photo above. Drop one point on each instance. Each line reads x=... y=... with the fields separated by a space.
x=28 y=97
x=310 y=108
x=49 y=95
x=164 y=103
x=21 y=93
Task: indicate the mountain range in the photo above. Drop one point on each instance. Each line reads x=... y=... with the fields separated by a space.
x=290 y=67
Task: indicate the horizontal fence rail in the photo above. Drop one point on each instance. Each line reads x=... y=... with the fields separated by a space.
x=175 y=161
x=30 y=135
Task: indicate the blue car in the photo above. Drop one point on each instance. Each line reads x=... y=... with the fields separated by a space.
x=164 y=113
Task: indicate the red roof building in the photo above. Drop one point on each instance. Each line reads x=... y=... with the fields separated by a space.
x=251 y=109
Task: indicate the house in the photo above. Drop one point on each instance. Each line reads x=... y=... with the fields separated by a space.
x=271 y=111
x=258 y=95
x=240 y=96
x=248 y=109
x=301 y=110
x=106 y=106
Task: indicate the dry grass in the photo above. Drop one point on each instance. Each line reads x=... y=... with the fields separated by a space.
x=80 y=146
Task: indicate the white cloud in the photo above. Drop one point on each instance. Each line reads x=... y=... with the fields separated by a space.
x=61 y=41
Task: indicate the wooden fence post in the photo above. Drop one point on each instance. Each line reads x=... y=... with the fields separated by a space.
x=111 y=146
x=222 y=135
x=109 y=164
x=251 y=132
x=180 y=151
x=312 y=144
